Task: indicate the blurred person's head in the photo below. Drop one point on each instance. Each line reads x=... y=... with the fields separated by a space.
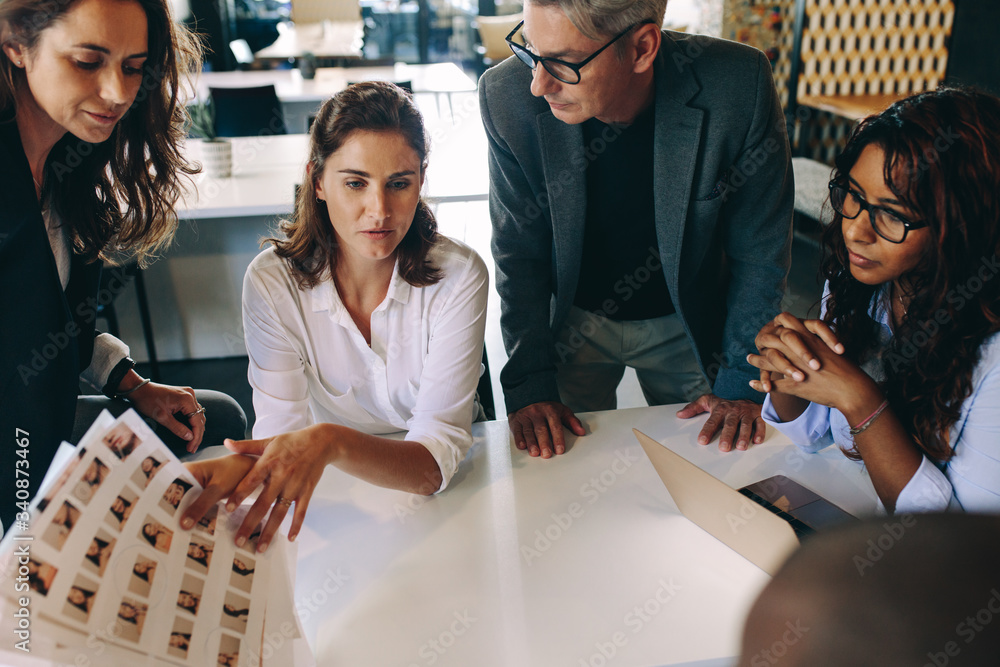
x=904 y=591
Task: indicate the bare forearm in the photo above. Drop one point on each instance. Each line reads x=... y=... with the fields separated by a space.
x=394 y=464
x=788 y=408
x=890 y=455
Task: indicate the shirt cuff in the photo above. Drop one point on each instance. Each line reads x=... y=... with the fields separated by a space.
x=810 y=431
x=927 y=491
x=446 y=453
x=108 y=353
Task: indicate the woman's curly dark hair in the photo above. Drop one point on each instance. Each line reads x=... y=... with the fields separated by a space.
x=118 y=197
x=310 y=245
x=942 y=161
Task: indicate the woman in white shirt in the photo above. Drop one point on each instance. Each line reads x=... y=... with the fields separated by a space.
x=361 y=321
x=902 y=370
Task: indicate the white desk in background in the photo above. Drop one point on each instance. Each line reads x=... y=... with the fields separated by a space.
x=579 y=561
x=300 y=97
x=267 y=169
x=335 y=40
x=195 y=289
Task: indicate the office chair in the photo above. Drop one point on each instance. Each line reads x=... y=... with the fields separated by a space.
x=492 y=31
x=247 y=112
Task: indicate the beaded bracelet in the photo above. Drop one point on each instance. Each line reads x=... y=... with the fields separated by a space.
x=863 y=426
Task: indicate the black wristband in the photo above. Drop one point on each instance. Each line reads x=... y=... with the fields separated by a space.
x=116 y=376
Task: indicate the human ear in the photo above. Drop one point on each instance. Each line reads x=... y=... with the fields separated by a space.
x=14 y=51
x=647 y=45
x=317 y=182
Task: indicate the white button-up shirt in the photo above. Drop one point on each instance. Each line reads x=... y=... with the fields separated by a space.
x=309 y=363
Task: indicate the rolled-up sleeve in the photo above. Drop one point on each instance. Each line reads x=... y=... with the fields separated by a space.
x=108 y=353
x=442 y=415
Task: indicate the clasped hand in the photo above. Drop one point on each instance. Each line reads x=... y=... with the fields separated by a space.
x=804 y=358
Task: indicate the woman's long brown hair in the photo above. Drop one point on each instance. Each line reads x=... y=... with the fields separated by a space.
x=118 y=197
x=310 y=245
x=942 y=161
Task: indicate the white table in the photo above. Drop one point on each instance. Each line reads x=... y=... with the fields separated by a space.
x=386 y=578
x=301 y=97
x=290 y=86
x=329 y=39
x=266 y=170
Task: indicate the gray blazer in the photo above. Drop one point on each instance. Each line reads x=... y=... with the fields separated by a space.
x=723 y=209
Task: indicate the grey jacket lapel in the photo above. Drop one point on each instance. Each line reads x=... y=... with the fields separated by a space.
x=565 y=176
x=676 y=140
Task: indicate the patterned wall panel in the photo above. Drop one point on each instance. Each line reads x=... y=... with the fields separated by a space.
x=861 y=47
x=849 y=47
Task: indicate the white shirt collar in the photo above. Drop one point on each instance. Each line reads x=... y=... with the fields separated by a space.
x=324 y=296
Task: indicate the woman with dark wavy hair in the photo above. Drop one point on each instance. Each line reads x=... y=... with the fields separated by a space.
x=91 y=167
x=360 y=320
x=902 y=370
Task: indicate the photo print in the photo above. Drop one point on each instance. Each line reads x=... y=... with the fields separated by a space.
x=180 y=637
x=250 y=546
x=235 y=612
x=121 y=508
x=140 y=581
x=199 y=554
x=242 y=576
x=121 y=440
x=66 y=474
x=174 y=494
x=99 y=552
x=207 y=523
x=147 y=469
x=229 y=651
x=131 y=618
x=62 y=525
x=158 y=535
x=80 y=599
x=189 y=597
x=92 y=478
x=40 y=575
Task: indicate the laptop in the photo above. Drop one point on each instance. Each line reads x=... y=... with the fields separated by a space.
x=763 y=522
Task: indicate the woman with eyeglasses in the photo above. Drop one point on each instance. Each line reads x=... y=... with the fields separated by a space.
x=902 y=370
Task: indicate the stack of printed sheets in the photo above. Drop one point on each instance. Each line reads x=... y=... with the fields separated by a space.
x=98 y=571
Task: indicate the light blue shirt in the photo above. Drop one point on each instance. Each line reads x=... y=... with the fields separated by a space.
x=970 y=480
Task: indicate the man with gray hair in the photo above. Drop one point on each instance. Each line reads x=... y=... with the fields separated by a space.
x=641 y=199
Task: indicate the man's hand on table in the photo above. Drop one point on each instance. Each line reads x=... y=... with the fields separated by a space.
x=539 y=428
x=738 y=422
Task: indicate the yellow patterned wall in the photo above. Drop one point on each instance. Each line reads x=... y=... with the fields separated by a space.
x=859 y=47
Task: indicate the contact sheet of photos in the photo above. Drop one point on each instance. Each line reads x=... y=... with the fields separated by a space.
x=110 y=559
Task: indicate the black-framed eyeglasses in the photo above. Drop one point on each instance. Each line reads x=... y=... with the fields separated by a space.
x=559 y=69
x=887 y=223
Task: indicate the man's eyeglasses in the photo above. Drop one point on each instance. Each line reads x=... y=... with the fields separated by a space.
x=559 y=69
x=888 y=224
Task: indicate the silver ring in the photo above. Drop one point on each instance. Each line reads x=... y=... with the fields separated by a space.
x=199 y=411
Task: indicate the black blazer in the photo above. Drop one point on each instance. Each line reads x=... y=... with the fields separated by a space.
x=47 y=335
